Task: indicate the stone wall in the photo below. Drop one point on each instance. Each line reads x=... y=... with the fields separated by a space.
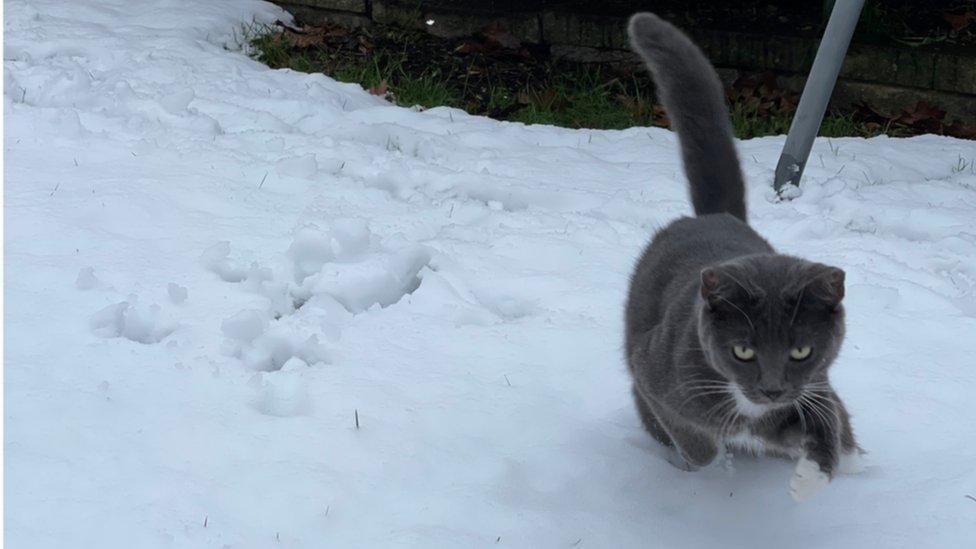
x=888 y=78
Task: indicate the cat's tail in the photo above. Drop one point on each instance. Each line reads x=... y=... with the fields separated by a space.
x=693 y=98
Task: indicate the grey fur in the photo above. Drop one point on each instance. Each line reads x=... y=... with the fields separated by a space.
x=707 y=283
x=693 y=97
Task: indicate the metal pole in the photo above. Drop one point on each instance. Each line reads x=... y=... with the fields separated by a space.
x=816 y=92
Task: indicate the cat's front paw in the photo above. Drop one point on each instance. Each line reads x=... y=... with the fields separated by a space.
x=675 y=458
x=807 y=479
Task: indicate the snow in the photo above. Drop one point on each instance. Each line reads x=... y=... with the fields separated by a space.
x=250 y=308
x=86 y=279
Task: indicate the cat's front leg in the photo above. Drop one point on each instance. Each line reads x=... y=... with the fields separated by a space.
x=696 y=448
x=819 y=456
x=693 y=448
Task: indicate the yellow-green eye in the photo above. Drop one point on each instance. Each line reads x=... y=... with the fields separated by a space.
x=743 y=353
x=800 y=353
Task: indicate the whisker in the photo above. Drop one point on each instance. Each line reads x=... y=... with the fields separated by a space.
x=699 y=394
x=728 y=419
x=697 y=382
x=716 y=408
x=736 y=307
x=796 y=309
x=815 y=415
x=819 y=410
x=743 y=286
x=825 y=399
x=798 y=406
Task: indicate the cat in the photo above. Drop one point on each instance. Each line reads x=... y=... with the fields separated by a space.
x=728 y=342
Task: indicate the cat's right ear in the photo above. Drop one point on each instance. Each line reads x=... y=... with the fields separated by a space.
x=709 y=285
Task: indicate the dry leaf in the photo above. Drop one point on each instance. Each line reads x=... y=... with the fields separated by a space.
x=498 y=34
x=959 y=21
x=380 y=89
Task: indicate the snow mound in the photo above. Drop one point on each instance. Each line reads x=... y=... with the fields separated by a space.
x=245 y=326
x=131 y=321
x=86 y=279
x=217 y=260
x=283 y=393
x=177 y=294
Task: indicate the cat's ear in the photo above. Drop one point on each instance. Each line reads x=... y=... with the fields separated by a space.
x=828 y=284
x=709 y=285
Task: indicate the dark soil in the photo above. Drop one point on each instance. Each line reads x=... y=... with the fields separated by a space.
x=493 y=74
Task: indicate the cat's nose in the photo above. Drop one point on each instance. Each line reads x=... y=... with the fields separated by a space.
x=772 y=394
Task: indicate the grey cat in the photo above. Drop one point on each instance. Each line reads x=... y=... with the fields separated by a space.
x=727 y=341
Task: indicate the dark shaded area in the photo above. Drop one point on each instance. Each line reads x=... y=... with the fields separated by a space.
x=908 y=22
x=493 y=73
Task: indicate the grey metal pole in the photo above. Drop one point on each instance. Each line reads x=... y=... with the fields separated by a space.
x=816 y=92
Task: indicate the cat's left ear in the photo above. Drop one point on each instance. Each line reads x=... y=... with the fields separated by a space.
x=828 y=284
x=711 y=285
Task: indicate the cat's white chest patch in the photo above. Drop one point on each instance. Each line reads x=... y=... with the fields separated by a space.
x=746 y=407
x=747 y=442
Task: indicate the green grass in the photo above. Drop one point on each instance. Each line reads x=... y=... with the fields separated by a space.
x=580 y=97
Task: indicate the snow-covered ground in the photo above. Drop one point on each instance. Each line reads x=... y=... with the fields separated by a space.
x=213 y=269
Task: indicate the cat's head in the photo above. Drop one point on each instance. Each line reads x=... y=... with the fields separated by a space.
x=771 y=325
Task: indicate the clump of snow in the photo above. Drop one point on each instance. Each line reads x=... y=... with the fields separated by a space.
x=379 y=279
x=245 y=326
x=272 y=351
x=177 y=294
x=216 y=260
x=86 y=279
x=283 y=393
x=310 y=250
x=351 y=237
x=132 y=321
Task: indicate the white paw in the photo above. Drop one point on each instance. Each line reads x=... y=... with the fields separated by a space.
x=851 y=463
x=807 y=480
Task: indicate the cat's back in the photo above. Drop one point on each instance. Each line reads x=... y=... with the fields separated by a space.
x=708 y=238
x=668 y=271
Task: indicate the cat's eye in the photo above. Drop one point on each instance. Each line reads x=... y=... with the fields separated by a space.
x=800 y=353
x=743 y=353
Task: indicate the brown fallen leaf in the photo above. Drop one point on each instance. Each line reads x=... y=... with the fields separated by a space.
x=959 y=21
x=381 y=89
x=497 y=33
